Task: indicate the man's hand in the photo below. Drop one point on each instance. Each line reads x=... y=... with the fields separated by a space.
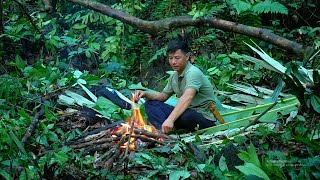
x=167 y=126
x=138 y=94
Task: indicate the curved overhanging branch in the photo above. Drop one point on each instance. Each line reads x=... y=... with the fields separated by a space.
x=154 y=27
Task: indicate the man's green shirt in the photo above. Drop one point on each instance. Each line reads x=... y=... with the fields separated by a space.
x=192 y=77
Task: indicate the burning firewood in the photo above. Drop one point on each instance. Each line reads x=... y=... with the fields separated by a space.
x=113 y=145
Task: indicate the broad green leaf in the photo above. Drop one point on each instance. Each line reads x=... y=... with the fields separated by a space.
x=275 y=64
x=253 y=155
x=81 y=81
x=20 y=63
x=162 y=149
x=79 y=26
x=269 y=117
x=260 y=62
x=223 y=164
x=109 y=110
x=66 y=100
x=62 y=82
x=80 y=100
x=177 y=175
x=315 y=102
x=5 y=175
x=251 y=169
x=61 y=157
x=18 y=143
x=293 y=114
x=90 y=94
x=201 y=167
x=88 y=54
x=77 y=74
x=146 y=156
x=278 y=90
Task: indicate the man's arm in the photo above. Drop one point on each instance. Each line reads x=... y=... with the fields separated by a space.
x=159 y=96
x=182 y=105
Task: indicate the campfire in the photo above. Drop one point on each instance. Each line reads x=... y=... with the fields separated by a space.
x=136 y=129
x=112 y=145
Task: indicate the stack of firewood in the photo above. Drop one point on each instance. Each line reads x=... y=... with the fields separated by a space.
x=112 y=147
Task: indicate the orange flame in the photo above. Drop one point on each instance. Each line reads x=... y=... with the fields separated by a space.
x=139 y=123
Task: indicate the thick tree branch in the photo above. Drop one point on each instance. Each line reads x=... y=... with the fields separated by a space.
x=154 y=27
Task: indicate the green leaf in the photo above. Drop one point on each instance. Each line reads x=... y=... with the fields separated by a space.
x=80 y=100
x=177 y=175
x=253 y=155
x=315 y=102
x=5 y=175
x=92 y=96
x=240 y=5
x=66 y=100
x=268 y=6
x=160 y=52
x=88 y=54
x=265 y=57
x=222 y=164
x=251 y=169
x=61 y=157
x=269 y=117
x=260 y=62
x=79 y=26
x=20 y=63
x=77 y=74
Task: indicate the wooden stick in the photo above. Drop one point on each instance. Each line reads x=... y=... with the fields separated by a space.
x=110 y=160
x=150 y=134
x=98 y=148
x=98 y=141
x=129 y=139
x=128 y=146
x=33 y=125
x=109 y=163
x=146 y=139
x=96 y=131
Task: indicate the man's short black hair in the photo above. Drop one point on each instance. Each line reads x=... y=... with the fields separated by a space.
x=176 y=44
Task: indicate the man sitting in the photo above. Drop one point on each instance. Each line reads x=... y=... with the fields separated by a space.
x=191 y=86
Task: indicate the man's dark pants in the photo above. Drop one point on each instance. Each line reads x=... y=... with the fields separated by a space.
x=158 y=112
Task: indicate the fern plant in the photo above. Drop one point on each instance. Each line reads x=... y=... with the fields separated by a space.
x=268 y=6
x=259 y=7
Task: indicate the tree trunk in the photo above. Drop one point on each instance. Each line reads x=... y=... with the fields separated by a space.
x=155 y=27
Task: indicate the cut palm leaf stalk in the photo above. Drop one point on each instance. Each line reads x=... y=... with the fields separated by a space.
x=249 y=111
x=245 y=121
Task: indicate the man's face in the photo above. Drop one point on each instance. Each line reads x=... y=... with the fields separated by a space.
x=178 y=60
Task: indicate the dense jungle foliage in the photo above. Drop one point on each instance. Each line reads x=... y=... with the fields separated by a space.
x=49 y=46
